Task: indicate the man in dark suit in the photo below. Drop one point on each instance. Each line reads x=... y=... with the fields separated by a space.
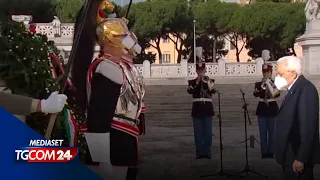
x=202 y=111
x=297 y=124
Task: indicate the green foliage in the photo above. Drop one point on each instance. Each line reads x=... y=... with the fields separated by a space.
x=25 y=67
x=275 y=31
x=180 y=26
x=151 y=19
x=295 y=24
x=67 y=10
x=42 y=11
x=24 y=61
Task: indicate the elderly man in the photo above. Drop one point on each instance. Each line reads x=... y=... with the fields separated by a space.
x=297 y=133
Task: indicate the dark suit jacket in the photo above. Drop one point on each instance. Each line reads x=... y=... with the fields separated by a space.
x=297 y=125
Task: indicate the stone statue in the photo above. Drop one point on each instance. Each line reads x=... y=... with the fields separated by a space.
x=265 y=56
x=312 y=10
x=56 y=26
x=199 y=52
x=26 y=19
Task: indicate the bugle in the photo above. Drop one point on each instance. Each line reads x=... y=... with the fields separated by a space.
x=269 y=87
x=205 y=79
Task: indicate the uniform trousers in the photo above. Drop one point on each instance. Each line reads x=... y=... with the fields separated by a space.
x=202 y=127
x=266 y=130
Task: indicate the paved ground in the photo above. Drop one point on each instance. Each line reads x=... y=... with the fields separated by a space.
x=168 y=151
x=168 y=154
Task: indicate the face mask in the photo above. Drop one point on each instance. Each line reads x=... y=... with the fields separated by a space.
x=129 y=43
x=280 y=82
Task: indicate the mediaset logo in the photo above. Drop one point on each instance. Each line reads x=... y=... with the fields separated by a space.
x=45 y=151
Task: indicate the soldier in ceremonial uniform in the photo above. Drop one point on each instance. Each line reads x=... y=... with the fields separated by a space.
x=21 y=105
x=267 y=110
x=110 y=93
x=202 y=89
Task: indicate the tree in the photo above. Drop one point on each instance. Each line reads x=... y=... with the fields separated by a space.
x=294 y=24
x=150 y=21
x=67 y=10
x=227 y=24
x=42 y=11
x=263 y=29
x=207 y=16
x=180 y=27
x=276 y=32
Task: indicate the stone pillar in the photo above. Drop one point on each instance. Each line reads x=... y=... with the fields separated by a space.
x=310 y=43
x=146 y=69
x=222 y=67
x=184 y=68
x=259 y=62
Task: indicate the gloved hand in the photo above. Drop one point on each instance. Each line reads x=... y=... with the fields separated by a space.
x=54 y=103
x=211 y=85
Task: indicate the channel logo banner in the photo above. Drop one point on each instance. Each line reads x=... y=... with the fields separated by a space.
x=25 y=154
x=46 y=151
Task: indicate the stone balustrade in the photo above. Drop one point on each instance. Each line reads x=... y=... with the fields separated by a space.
x=64 y=31
x=184 y=69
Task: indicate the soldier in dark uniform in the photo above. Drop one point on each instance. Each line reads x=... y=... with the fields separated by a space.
x=267 y=110
x=202 y=89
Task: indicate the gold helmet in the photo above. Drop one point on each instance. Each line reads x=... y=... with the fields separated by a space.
x=115 y=30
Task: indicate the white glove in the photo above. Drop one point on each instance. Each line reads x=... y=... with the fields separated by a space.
x=210 y=85
x=54 y=103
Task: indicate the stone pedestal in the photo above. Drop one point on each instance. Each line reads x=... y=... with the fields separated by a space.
x=26 y=19
x=310 y=43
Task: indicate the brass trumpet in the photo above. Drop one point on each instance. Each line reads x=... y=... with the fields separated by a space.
x=269 y=87
x=263 y=83
x=205 y=79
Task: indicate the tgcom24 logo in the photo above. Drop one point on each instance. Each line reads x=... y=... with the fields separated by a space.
x=45 y=151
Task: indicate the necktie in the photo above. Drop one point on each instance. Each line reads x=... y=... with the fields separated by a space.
x=285 y=95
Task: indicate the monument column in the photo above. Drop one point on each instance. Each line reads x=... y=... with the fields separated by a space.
x=310 y=40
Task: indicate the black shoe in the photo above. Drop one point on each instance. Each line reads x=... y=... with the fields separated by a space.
x=207 y=156
x=199 y=157
x=270 y=156
x=264 y=156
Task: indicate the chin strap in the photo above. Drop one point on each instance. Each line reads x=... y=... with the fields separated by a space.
x=129 y=6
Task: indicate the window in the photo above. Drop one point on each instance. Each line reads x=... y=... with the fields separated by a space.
x=166 y=58
x=232 y=47
x=165 y=40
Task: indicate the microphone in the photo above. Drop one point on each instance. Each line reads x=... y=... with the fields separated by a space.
x=241 y=91
x=218 y=92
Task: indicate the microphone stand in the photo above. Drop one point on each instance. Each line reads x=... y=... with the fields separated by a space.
x=246 y=115
x=247 y=168
x=221 y=172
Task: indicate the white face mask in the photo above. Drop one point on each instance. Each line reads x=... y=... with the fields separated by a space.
x=280 y=82
x=129 y=43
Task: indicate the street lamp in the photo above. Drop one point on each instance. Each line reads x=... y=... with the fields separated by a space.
x=194 y=42
x=213 y=47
